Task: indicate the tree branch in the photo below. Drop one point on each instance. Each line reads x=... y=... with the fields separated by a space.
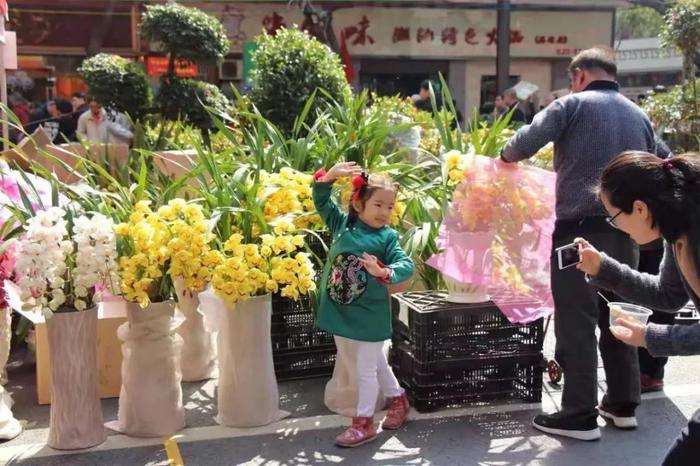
x=659 y=5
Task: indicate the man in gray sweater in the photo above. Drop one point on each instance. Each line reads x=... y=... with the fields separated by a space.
x=589 y=128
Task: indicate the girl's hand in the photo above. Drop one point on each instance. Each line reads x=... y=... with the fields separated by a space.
x=630 y=332
x=370 y=264
x=342 y=169
x=590 y=257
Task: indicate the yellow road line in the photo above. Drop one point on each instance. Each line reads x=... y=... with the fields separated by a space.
x=173 y=452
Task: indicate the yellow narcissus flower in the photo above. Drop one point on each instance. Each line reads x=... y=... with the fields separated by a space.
x=397 y=213
x=287 y=193
x=247 y=270
x=121 y=229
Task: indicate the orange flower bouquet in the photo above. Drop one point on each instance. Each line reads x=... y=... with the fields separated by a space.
x=495 y=237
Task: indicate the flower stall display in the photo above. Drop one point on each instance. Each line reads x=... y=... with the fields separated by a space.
x=150 y=399
x=62 y=260
x=496 y=236
x=191 y=266
x=251 y=269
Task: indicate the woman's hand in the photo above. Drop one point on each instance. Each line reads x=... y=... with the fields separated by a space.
x=370 y=264
x=342 y=169
x=590 y=257
x=630 y=332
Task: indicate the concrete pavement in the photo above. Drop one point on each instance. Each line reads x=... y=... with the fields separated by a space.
x=493 y=434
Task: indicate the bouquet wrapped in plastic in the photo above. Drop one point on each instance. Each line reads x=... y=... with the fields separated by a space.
x=496 y=236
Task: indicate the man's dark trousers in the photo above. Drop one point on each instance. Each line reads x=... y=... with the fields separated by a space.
x=578 y=310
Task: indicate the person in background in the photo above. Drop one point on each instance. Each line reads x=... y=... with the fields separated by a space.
x=60 y=126
x=422 y=102
x=510 y=100
x=22 y=110
x=651 y=368
x=589 y=128
x=80 y=106
x=39 y=114
x=548 y=100
x=647 y=197
x=20 y=107
x=500 y=108
x=99 y=126
x=487 y=112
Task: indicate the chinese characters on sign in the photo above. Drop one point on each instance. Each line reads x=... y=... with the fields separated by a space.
x=359 y=32
x=157 y=66
x=449 y=35
x=435 y=32
x=273 y=22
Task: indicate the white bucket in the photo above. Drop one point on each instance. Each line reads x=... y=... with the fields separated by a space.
x=465 y=293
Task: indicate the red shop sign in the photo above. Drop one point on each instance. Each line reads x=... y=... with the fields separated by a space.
x=157 y=66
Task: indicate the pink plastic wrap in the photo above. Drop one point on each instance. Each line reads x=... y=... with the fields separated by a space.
x=10 y=183
x=497 y=232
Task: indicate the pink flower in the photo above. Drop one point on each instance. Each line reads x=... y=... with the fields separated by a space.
x=7 y=265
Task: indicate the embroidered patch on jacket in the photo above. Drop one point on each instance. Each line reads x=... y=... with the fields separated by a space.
x=347 y=280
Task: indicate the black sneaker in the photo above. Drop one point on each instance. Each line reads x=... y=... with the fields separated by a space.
x=622 y=419
x=567 y=426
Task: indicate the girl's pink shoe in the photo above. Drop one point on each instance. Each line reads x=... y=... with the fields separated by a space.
x=360 y=432
x=398 y=412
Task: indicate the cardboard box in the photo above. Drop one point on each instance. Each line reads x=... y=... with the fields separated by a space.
x=178 y=163
x=28 y=149
x=38 y=149
x=111 y=157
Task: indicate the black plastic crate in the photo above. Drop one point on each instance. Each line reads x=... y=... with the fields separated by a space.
x=304 y=364
x=437 y=329
x=293 y=326
x=314 y=339
x=282 y=306
x=316 y=245
x=459 y=382
x=688 y=315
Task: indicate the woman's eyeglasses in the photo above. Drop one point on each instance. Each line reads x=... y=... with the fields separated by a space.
x=611 y=220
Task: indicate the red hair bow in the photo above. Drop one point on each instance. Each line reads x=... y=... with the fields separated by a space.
x=358 y=182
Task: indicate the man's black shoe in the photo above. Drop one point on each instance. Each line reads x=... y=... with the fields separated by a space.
x=573 y=427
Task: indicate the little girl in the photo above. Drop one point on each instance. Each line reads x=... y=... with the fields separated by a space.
x=364 y=258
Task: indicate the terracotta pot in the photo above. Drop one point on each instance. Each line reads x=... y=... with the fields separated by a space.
x=76 y=413
x=150 y=400
x=247 y=395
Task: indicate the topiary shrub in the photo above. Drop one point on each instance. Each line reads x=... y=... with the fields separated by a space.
x=185 y=33
x=682 y=31
x=117 y=84
x=288 y=68
x=675 y=113
x=185 y=99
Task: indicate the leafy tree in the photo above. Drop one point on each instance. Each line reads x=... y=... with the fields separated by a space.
x=289 y=68
x=117 y=83
x=192 y=35
x=186 y=99
x=682 y=31
x=185 y=33
x=638 y=22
